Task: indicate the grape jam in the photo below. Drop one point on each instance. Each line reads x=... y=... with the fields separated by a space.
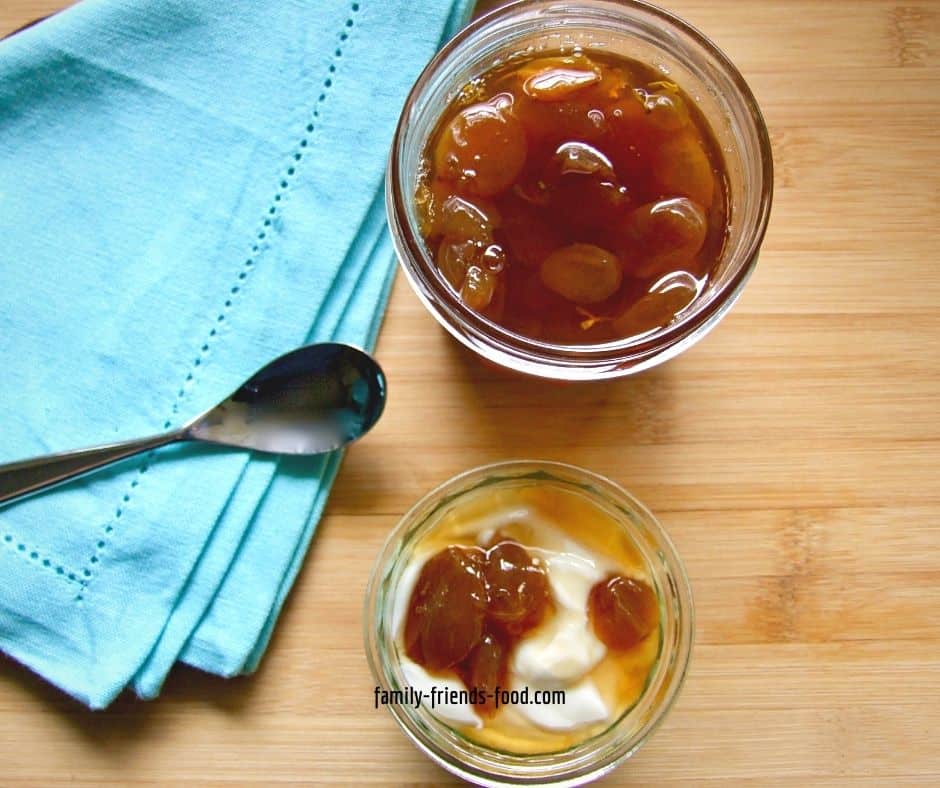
x=469 y=607
x=574 y=199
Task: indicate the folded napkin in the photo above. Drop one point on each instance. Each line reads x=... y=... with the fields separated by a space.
x=188 y=189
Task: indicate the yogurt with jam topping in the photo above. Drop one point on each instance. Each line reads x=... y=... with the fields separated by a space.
x=557 y=680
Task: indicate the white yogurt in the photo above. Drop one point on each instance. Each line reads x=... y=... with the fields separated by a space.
x=423 y=682
x=563 y=649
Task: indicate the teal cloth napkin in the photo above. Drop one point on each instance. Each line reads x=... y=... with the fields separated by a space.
x=188 y=189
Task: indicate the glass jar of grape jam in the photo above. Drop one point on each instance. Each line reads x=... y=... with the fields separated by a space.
x=579 y=191
x=542 y=558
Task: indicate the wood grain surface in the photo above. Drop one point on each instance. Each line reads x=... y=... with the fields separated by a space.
x=792 y=454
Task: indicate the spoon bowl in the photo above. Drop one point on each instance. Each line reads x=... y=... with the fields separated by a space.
x=312 y=400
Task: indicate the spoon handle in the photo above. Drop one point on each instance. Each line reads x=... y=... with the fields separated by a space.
x=25 y=477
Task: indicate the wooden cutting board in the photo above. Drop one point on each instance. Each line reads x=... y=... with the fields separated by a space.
x=793 y=454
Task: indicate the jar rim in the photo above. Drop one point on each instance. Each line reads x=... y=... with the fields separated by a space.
x=570 y=361
x=602 y=752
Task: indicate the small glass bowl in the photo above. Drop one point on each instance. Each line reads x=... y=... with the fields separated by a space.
x=639 y=31
x=595 y=756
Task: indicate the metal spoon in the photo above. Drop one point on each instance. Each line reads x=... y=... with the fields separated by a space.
x=310 y=401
